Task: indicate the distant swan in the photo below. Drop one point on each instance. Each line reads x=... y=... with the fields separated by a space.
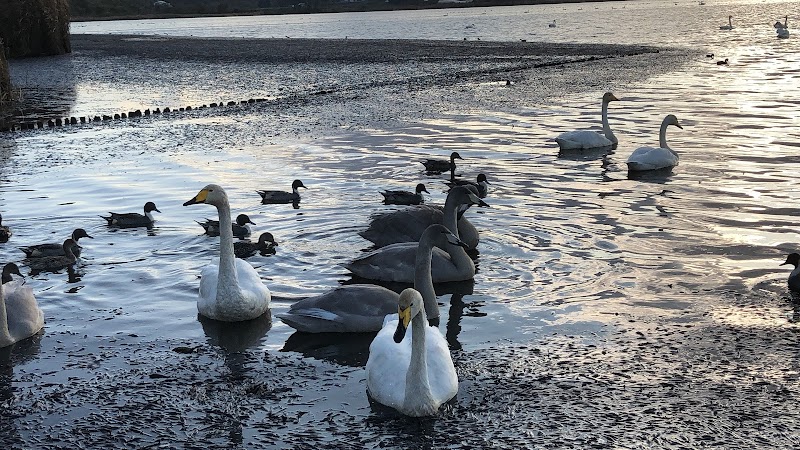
x=20 y=315
x=588 y=139
x=411 y=370
x=552 y=25
x=729 y=26
x=783 y=30
x=794 y=277
x=231 y=290
x=785 y=23
x=654 y=158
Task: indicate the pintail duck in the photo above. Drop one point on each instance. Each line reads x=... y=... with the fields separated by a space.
x=133 y=220
x=405 y=197
x=5 y=232
x=794 y=277
x=55 y=263
x=241 y=228
x=266 y=246
x=55 y=249
x=276 y=197
x=441 y=165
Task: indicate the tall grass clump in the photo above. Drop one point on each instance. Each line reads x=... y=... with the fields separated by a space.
x=35 y=27
x=5 y=79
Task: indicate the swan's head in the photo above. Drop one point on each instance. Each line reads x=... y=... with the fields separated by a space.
x=440 y=236
x=298 y=184
x=672 y=120
x=793 y=259
x=455 y=155
x=609 y=97
x=243 y=219
x=408 y=306
x=210 y=195
x=8 y=270
x=150 y=207
x=482 y=178
x=80 y=233
x=464 y=195
x=421 y=188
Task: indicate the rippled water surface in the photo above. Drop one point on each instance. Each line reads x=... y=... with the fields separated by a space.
x=569 y=242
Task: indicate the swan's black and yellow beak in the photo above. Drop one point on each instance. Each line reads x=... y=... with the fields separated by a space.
x=199 y=198
x=404 y=316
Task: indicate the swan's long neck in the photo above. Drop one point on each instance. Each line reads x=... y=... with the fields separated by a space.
x=227 y=261
x=606 y=127
x=418 y=396
x=457 y=254
x=423 y=281
x=730 y=22
x=5 y=335
x=662 y=136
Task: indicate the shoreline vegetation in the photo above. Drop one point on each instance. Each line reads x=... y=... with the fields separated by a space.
x=100 y=10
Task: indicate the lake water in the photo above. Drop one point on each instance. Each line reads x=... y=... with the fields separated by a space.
x=569 y=244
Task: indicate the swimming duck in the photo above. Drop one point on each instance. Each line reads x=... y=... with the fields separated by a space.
x=794 y=277
x=133 y=220
x=723 y=63
x=266 y=246
x=442 y=165
x=55 y=249
x=396 y=262
x=360 y=308
x=240 y=229
x=405 y=197
x=654 y=158
x=552 y=25
x=5 y=232
x=20 y=315
x=590 y=139
x=407 y=225
x=275 y=197
x=232 y=290
x=729 y=26
x=55 y=263
x=482 y=185
x=411 y=370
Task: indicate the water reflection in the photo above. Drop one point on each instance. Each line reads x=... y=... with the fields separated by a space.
x=236 y=337
x=11 y=356
x=347 y=349
x=46 y=87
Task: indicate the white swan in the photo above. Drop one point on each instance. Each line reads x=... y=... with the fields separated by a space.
x=587 y=139
x=396 y=262
x=20 y=315
x=783 y=30
x=411 y=370
x=729 y=26
x=231 y=291
x=361 y=308
x=654 y=158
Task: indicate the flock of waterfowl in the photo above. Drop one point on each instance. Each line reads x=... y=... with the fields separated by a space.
x=409 y=366
x=782 y=29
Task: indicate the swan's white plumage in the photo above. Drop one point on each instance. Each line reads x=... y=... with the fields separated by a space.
x=230 y=290
x=654 y=158
x=588 y=139
x=20 y=313
x=389 y=364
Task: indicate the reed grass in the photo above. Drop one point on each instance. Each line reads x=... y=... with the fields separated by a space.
x=35 y=27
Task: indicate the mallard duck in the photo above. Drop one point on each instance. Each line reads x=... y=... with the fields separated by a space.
x=590 y=139
x=405 y=197
x=275 y=197
x=20 y=315
x=396 y=262
x=240 y=229
x=794 y=277
x=410 y=369
x=55 y=263
x=5 y=232
x=482 y=184
x=133 y=220
x=266 y=246
x=654 y=158
x=232 y=290
x=55 y=249
x=442 y=165
x=360 y=308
